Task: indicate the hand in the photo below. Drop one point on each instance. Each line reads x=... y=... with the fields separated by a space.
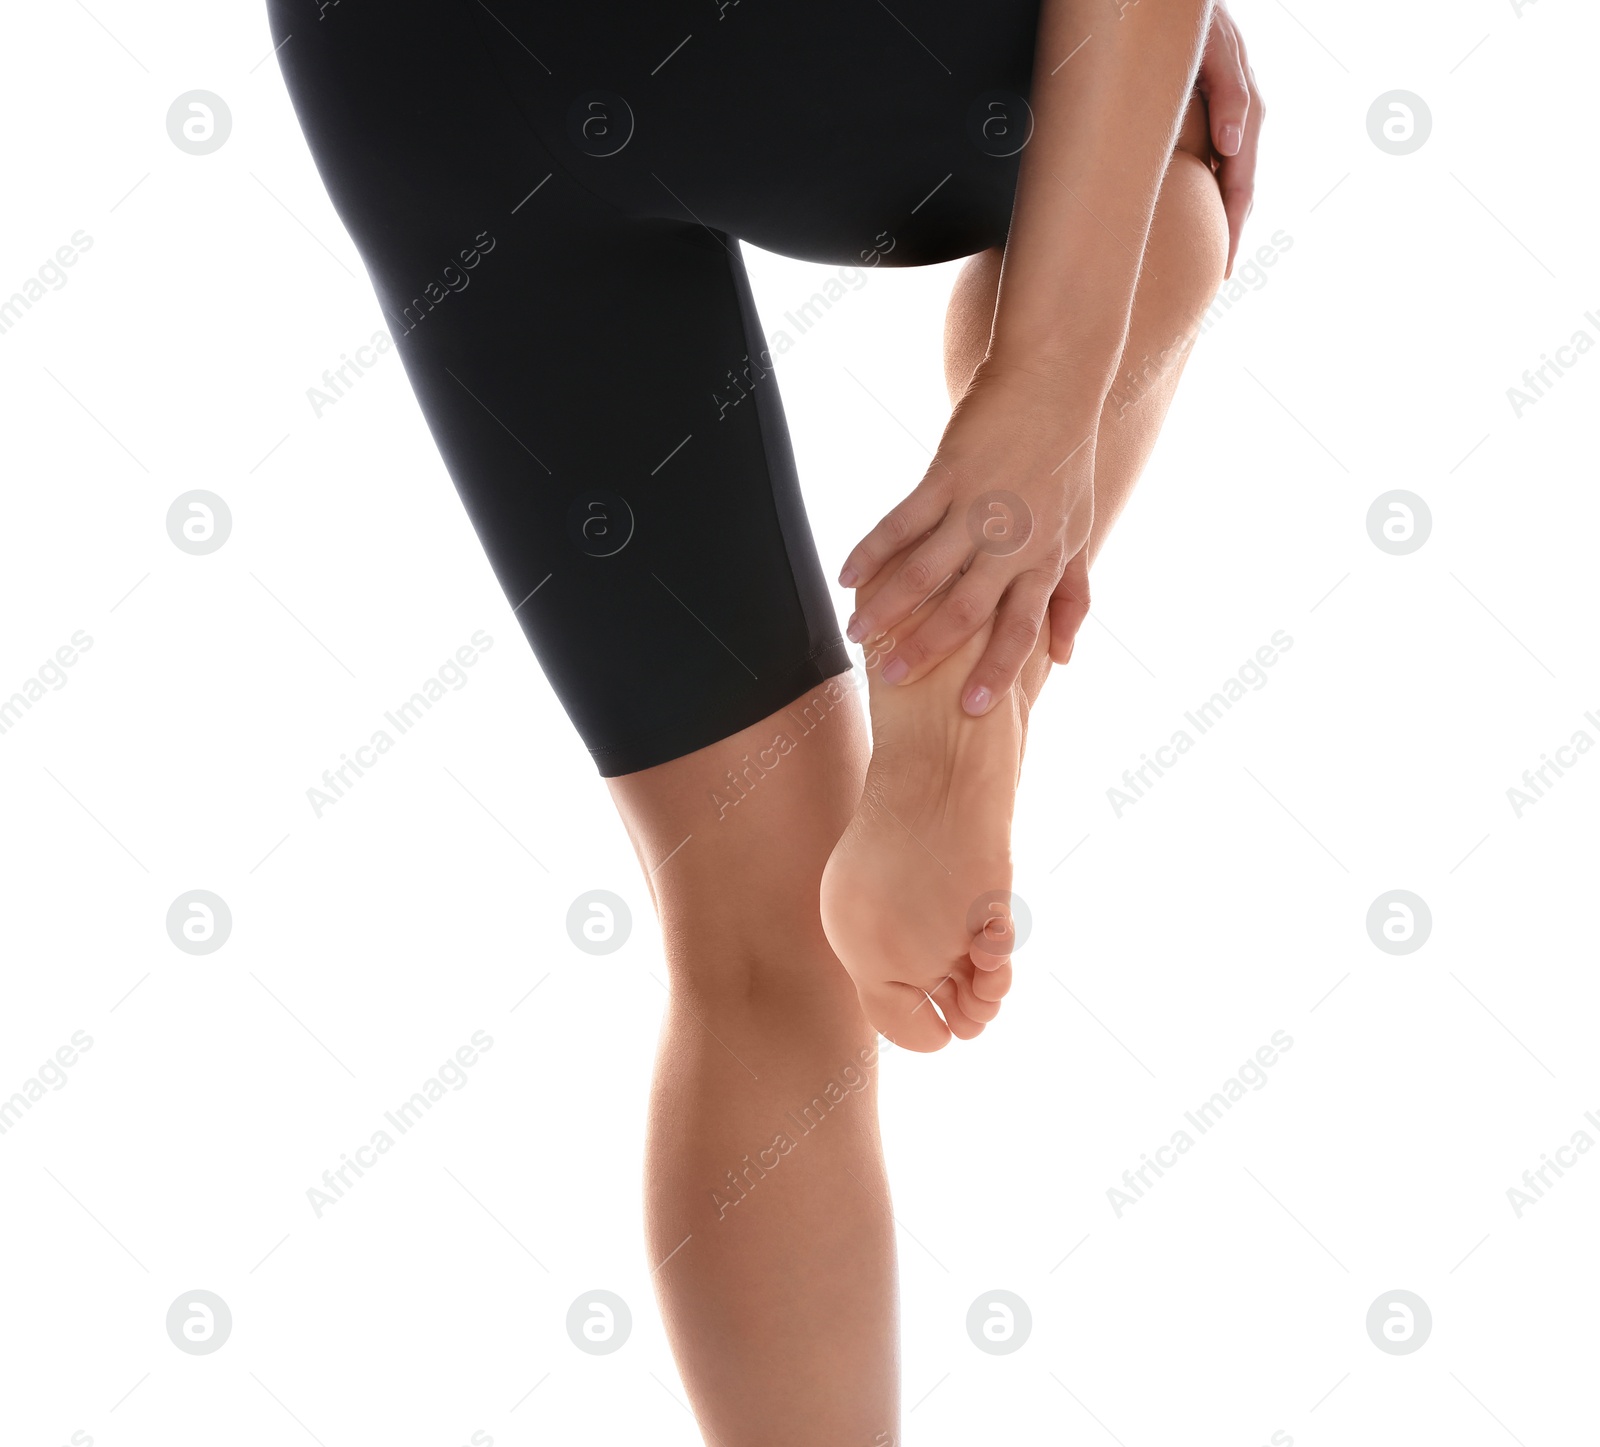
x=1236 y=111
x=1004 y=508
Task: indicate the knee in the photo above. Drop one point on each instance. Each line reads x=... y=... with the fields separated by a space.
x=740 y=920
x=772 y=972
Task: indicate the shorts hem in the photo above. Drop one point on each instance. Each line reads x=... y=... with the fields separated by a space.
x=689 y=735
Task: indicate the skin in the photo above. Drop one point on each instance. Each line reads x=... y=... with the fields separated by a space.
x=1235 y=111
x=932 y=834
x=781 y=1309
x=1111 y=87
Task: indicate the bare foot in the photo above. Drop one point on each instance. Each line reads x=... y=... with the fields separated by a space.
x=916 y=895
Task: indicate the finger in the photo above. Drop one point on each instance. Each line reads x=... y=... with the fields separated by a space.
x=928 y=569
x=1225 y=83
x=892 y=1009
x=1066 y=617
x=906 y=521
x=1222 y=82
x=955 y=618
x=960 y=1024
x=1069 y=606
x=1011 y=643
x=1237 y=176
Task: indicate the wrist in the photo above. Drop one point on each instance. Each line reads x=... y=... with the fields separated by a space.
x=1075 y=335
x=1070 y=394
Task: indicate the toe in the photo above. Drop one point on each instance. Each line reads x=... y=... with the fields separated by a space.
x=994 y=936
x=989 y=961
x=903 y=1016
x=960 y=1024
x=980 y=1007
x=991 y=981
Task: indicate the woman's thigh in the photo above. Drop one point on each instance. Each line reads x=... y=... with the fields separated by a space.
x=547 y=200
x=835 y=131
x=592 y=378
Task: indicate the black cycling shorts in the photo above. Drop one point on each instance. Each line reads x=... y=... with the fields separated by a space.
x=548 y=199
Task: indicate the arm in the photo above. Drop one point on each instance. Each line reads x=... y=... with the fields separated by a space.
x=1105 y=121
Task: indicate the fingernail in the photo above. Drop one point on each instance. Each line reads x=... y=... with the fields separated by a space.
x=895 y=669
x=1231 y=136
x=977 y=699
x=849 y=578
x=857 y=629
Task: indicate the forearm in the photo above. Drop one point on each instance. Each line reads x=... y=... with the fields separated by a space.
x=1104 y=125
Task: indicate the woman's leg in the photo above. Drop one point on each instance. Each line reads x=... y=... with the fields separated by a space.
x=765 y=1198
x=649 y=536
x=927 y=852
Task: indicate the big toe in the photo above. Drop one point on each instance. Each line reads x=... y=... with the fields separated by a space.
x=994 y=937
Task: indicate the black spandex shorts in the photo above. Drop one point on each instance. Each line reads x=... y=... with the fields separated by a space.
x=548 y=199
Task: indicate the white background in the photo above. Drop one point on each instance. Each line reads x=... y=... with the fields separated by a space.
x=1169 y=943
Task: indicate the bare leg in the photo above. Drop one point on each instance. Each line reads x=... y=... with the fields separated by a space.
x=764 y=1179
x=765 y=1193
x=930 y=842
